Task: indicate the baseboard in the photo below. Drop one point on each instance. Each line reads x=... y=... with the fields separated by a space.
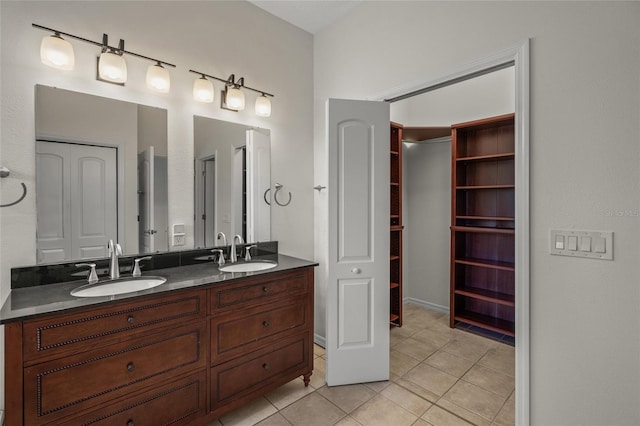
x=319 y=340
x=426 y=305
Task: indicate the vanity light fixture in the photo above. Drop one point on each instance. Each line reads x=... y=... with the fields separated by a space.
x=203 y=90
x=58 y=53
x=111 y=65
x=158 y=78
x=263 y=106
x=233 y=98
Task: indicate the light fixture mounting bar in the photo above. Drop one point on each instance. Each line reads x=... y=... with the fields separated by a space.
x=232 y=82
x=116 y=49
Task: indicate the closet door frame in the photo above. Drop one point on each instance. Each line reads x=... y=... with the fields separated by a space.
x=517 y=56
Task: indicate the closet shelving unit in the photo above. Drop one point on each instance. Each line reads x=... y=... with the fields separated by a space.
x=483 y=225
x=395 y=241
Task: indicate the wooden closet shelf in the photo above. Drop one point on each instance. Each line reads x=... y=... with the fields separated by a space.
x=487 y=263
x=476 y=187
x=483 y=230
x=501 y=156
x=487 y=322
x=487 y=295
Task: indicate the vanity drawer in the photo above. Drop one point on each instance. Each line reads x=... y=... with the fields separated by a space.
x=258 y=290
x=234 y=382
x=176 y=403
x=61 y=387
x=71 y=333
x=243 y=332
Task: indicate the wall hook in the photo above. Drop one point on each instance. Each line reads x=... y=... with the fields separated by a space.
x=319 y=188
x=275 y=196
x=4 y=172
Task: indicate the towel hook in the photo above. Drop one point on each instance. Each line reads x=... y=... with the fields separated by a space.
x=275 y=196
x=265 y=196
x=4 y=172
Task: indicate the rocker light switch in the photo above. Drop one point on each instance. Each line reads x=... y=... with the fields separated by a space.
x=560 y=242
x=599 y=244
x=585 y=244
x=572 y=243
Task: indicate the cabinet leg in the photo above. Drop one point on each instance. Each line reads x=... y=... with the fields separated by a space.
x=307 y=379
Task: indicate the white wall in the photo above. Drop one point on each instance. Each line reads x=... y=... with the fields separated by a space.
x=427 y=216
x=218 y=38
x=585 y=169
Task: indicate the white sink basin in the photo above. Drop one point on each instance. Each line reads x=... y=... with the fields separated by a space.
x=118 y=286
x=248 y=266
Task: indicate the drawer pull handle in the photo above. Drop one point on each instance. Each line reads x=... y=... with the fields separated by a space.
x=266 y=323
x=265 y=289
x=131 y=367
x=265 y=366
x=130 y=423
x=130 y=319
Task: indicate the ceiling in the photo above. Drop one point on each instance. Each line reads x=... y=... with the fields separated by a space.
x=310 y=15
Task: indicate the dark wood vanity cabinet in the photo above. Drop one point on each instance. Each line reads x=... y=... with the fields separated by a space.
x=261 y=336
x=184 y=357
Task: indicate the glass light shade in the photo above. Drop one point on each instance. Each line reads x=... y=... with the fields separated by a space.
x=158 y=78
x=57 y=52
x=263 y=106
x=112 y=67
x=203 y=90
x=235 y=98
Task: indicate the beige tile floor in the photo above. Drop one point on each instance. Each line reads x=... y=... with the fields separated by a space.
x=439 y=376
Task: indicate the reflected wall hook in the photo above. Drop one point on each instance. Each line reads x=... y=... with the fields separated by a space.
x=275 y=196
x=265 y=196
x=4 y=172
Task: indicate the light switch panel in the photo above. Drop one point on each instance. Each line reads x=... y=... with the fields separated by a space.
x=578 y=243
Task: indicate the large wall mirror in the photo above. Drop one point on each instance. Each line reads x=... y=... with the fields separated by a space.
x=232 y=180
x=101 y=174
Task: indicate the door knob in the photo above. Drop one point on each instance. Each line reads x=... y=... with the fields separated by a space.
x=356 y=270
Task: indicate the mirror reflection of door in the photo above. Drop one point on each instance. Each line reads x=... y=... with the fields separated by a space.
x=258 y=181
x=205 y=187
x=76 y=185
x=146 y=201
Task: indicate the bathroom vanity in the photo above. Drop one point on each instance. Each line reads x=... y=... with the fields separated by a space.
x=186 y=352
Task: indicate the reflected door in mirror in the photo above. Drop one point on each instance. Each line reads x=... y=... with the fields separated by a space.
x=76 y=193
x=146 y=202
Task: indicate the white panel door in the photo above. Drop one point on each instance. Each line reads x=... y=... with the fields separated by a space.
x=93 y=200
x=76 y=200
x=146 y=201
x=258 y=182
x=53 y=231
x=358 y=280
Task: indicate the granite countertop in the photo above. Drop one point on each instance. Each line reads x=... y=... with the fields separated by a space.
x=28 y=302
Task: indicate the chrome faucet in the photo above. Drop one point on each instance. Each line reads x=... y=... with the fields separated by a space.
x=234 y=257
x=222 y=237
x=247 y=252
x=136 y=266
x=114 y=251
x=92 y=278
x=220 y=256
